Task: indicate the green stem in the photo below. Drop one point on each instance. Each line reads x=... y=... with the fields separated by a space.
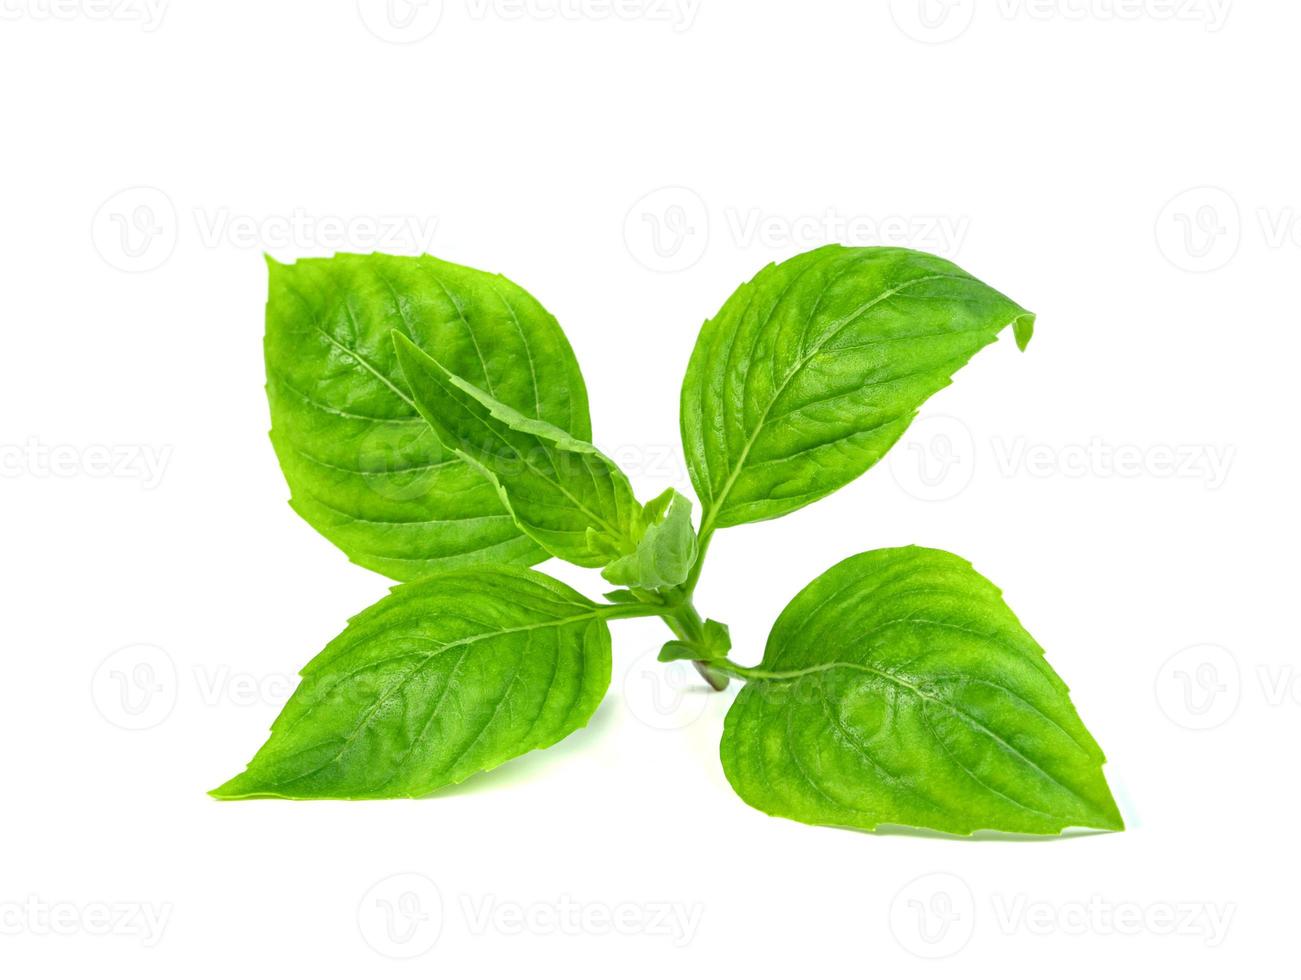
x=679 y=612
x=687 y=625
x=714 y=678
x=689 y=586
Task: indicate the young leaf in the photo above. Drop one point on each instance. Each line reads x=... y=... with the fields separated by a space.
x=667 y=549
x=561 y=490
x=898 y=688
x=718 y=638
x=624 y=597
x=814 y=368
x=677 y=650
x=442 y=679
x=364 y=468
x=714 y=646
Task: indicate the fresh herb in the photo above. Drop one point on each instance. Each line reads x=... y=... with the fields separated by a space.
x=432 y=422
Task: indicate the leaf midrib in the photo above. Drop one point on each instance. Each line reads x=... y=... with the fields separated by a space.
x=356 y=356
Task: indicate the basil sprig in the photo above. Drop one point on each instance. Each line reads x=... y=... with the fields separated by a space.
x=431 y=421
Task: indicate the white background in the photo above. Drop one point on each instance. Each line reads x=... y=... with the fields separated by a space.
x=1126 y=168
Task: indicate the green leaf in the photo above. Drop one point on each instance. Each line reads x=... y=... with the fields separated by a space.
x=667 y=549
x=561 y=490
x=677 y=650
x=718 y=639
x=714 y=646
x=898 y=688
x=364 y=468
x=444 y=678
x=814 y=368
x=624 y=597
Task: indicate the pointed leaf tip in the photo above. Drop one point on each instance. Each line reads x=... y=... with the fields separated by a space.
x=1023 y=329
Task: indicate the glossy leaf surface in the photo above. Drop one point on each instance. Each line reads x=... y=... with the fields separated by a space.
x=898 y=688
x=363 y=467
x=444 y=678
x=814 y=368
